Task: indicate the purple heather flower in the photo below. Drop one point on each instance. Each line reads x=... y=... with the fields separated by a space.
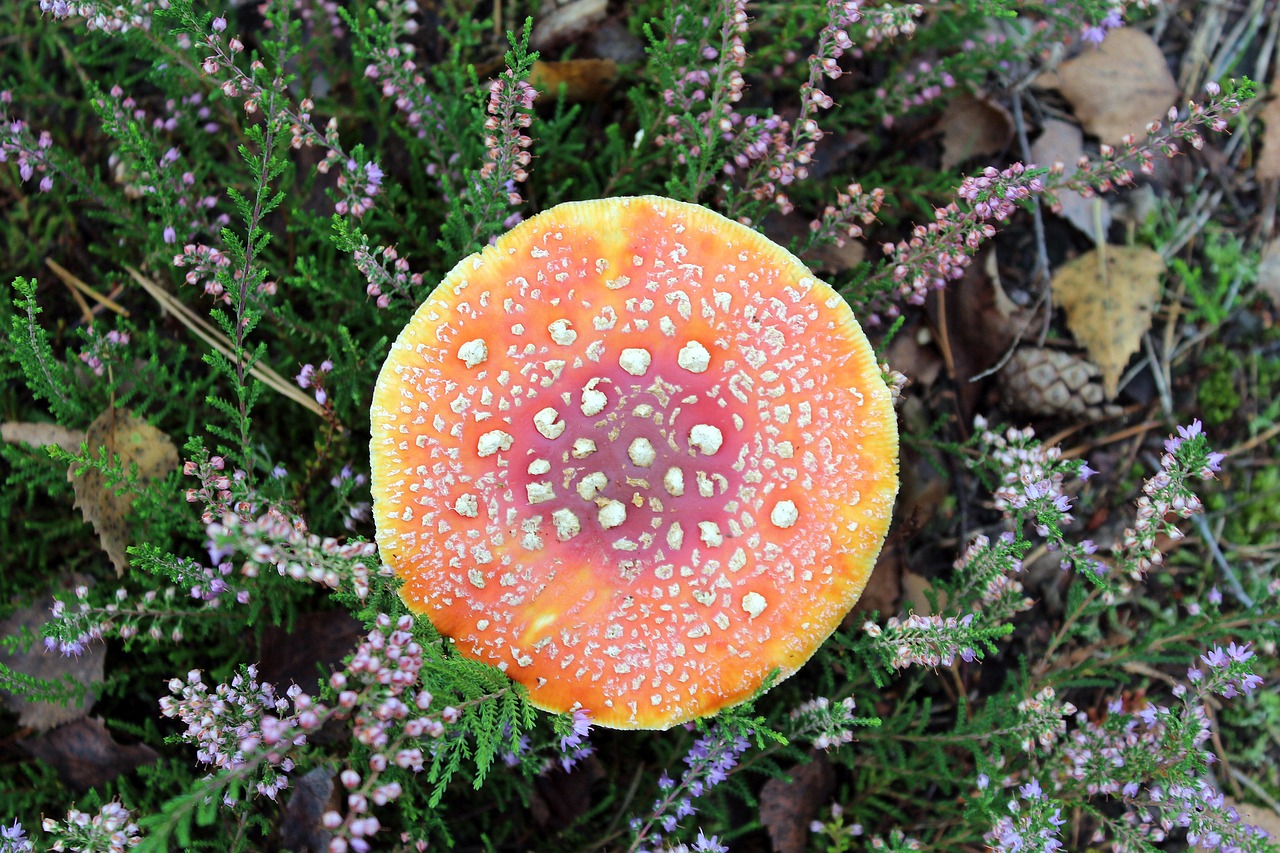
x=1216 y=658
x=1250 y=682
x=1239 y=653
x=1191 y=431
x=12 y=833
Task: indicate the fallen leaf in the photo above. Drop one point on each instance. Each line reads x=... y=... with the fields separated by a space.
x=883 y=588
x=915 y=589
x=830 y=259
x=1120 y=87
x=567 y=22
x=85 y=755
x=302 y=829
x=86 y=668
x=913 y=353
x=973 y=127
x=1255 y=815
x=135 y=442
x=974 y=323
x=313 y=647
x=788 y=805
x=1268 y=164
x=1109 y=305
x=579 y=79
x=612 y=40
x=1063 y=142
x=1137 y=208
x=42 y=435
x=1269 y=271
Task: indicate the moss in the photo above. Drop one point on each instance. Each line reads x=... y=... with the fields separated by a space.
x=1218 y=396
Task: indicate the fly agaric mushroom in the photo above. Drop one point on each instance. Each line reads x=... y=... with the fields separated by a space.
x=636 y=456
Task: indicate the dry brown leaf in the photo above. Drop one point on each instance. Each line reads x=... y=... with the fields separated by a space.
x=913 y=352
x=42 y=435
x=1109 y=305
x=567 y=22
x=1119 y=88
x=1063 y=142
x=582 y=79
x=916 y=589
x=1268 y=165
x=302 y=827
x=1269 y=271
x=36 y=661
x=134 y=441
x=788 y=805
x=974 y=323
x=830 y=260
x=313 y=646
x=883 y=588
x=85 y=755
x=974 y=127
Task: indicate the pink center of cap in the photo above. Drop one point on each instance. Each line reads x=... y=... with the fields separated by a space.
x=631 y=457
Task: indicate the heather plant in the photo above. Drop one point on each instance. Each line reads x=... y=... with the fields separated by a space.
x=256 y=198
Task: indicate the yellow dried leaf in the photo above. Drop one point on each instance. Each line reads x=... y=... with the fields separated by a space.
x=582 y=79
x=1109 y=305
x=1119 y=88
x=134 y=441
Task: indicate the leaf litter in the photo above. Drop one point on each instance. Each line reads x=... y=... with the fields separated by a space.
x=1110 y=295
x=1118 y=88
x=134 y=442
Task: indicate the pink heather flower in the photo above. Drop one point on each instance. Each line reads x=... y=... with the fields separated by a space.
x=219 y=24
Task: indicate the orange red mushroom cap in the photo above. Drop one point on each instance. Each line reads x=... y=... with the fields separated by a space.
x=636 y=456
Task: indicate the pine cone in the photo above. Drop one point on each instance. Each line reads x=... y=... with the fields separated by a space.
x=1052 y=382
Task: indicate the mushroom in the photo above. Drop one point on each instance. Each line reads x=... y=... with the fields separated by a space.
x=636 y=456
